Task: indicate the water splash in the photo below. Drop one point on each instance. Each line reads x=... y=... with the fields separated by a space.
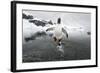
x=60 y=49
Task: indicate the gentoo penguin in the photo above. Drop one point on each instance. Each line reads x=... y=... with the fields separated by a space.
x=58 y=35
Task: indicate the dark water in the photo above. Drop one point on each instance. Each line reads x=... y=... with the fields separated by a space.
x=45 y=50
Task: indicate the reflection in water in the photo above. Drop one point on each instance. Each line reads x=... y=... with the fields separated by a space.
x=75 y=48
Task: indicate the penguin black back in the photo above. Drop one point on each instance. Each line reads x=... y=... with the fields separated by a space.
x=59 y=21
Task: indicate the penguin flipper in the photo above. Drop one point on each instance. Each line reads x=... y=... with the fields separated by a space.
x=49 y=29
x=64 y=31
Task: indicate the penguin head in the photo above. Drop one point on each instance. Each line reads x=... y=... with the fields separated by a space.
x=59 y=21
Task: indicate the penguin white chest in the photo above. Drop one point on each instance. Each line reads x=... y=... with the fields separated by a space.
x=58 y=32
